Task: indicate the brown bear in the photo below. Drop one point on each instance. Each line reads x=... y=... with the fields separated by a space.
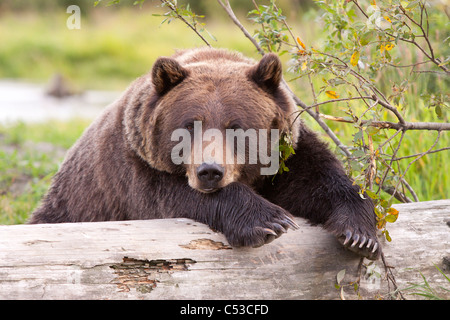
x=123 y=167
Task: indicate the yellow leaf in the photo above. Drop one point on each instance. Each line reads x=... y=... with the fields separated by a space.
x=301 y=43
x=304 y=65
x=387 y=19
x=355 y=58
x=392 y=211
x=381 y=224
x=373 y=2
x=332 y=94
x=389 y=46
x=381 y=48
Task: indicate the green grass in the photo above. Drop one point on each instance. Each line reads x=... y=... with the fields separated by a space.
x=30 y=155
x=425 y=291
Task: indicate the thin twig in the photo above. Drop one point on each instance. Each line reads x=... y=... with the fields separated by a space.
x=391 y=278
x=421 y=28
x=409 y=65
x=433 y=126
x=418 y=154
x=431 y=71
x=424 y=35
x=338 y=100
x=389 y=168
x=174 y=9
x=360 y=9
x=400 y=196
x=418 y=157
x=389 y=139
x=230 y=12
x=322 y=124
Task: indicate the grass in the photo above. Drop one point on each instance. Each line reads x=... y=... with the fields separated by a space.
x=109 y=51
x=30 y=155
x=425 y=291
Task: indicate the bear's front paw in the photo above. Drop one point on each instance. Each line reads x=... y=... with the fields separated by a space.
x=363 y=244
x=353 y=223
x=261 y=227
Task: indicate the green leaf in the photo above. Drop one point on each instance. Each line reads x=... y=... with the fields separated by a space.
x=412 y=4
x=438 y=111
x=372 y=194
x=358 y=136
x=385 y=204
x=366 y=37
x=372 y=130
x=358 y=153
x=388 y=237
x=391 y=218
x=378 y=213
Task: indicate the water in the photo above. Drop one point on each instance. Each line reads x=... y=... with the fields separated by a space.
x=20 y=101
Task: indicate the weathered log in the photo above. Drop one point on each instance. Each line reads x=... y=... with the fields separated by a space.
x=183 y=259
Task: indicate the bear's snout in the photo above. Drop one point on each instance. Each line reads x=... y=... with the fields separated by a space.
x=209 y=176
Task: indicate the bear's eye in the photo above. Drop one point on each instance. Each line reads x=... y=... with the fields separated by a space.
x=234 y=126
x=189 y=126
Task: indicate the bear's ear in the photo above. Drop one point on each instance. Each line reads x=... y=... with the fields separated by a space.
x=267 y=73
x=166 y=74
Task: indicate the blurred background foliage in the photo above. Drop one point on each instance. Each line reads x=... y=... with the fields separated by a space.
x=118 y=43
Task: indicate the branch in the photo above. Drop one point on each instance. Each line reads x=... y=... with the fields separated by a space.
x=425 y=34
x=392 y=109
x=401 y=125
x=322 y=124
x=435 y=126
x=419 y=154
x=174 y=10
x=230 y=12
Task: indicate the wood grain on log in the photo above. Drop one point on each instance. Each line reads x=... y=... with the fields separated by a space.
x=183 y=259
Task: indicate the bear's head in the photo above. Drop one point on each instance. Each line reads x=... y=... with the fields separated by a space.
x=212 y=115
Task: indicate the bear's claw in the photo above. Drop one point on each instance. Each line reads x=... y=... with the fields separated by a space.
x=292 y=223
x=269 y=236
x=269 y=227
x=276 y=229
x=371 y=250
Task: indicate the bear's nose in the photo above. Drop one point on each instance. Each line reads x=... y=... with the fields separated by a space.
x=210 y=173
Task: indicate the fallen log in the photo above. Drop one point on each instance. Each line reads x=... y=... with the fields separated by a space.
x=184 y=259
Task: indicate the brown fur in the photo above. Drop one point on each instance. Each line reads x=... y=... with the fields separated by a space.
x=121 y=167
